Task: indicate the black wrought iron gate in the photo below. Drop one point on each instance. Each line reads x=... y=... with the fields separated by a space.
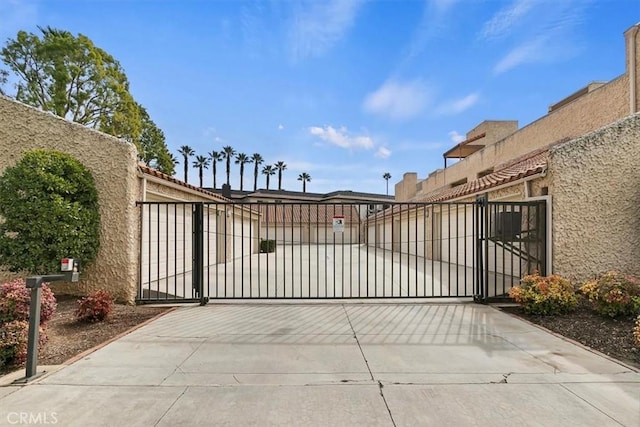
x=195 y=251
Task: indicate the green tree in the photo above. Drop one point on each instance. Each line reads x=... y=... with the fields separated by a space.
x=242 y=159
x=257 y=160
x=152 y=146
x=49 y=204
x=3 y=80
x=215 y=157
x=185 y=151
x=228 y=152
x=201 y=163
x=269 y=171
x=387 y=177
x=71 y=77
x=280 y=166
x=304 y=177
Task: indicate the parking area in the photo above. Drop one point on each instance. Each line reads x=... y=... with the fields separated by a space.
x=335 y=364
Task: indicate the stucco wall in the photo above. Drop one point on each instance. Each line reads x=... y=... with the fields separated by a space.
x=114 y=167
x=595 y=183
x=592 y=111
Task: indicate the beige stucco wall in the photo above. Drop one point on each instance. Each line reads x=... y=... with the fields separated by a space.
x=113 y=165
x=595 y=183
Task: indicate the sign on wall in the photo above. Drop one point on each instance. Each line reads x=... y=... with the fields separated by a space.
x=338 y=224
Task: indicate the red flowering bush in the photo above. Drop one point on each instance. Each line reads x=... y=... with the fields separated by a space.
x=613 y=294
x=15 y=299
x=95 y=307
x=13 y=342
x=545 y=295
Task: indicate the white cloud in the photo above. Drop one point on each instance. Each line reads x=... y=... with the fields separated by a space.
x=398 y=100
x=501 y=24
x=317 y=26
x=456 y=137
x=341 y=137
x=280 y=127
x=383 y=153
x=529 y=52
x=459 y=105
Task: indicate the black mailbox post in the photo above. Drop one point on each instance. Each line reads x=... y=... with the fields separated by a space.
x=70 y=273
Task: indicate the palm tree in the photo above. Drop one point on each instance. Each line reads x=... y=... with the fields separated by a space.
x=215 y=157
x=257 y=161
x=186 y=152
x=268 y=170
x=304 y=177
x=387 y=177
x=227 y=153
x=280 y=166
x=242 y=159
x=201 y=162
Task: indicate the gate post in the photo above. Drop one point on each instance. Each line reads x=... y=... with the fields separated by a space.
x=198 y=252
x=482 y=204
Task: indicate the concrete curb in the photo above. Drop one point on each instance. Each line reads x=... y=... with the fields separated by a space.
x=572 y=341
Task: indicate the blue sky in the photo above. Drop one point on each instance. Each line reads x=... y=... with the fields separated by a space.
x=344 y=90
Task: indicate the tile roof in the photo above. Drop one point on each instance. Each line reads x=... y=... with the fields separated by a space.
x=522 y=167
x=156 y=173
x=306 y=213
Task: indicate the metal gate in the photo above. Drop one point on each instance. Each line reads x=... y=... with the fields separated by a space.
x=196 y=251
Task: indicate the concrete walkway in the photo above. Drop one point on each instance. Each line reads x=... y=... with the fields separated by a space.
x=337 y=365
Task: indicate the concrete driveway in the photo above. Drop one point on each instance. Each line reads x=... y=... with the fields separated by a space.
x=334 y=364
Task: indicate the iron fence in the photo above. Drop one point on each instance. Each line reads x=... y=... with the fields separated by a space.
x=194 y=251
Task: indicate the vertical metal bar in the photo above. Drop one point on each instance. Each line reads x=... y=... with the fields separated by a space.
x=166 y=294
x=457 y=263
x=275 y=254
x=267 y=248
x=393 y=248
x=333 y=238
x=424 y=249
x=34 y=331
x=262 y=209
x=464 y=244
x=149 y=256
x=487 y=228
x=175 y=249
x=198 y=271
x=242 y=254
x=342 y=244
x=440 y=244
x=449 y=249
x=250 y=207
x=433 y=252
x=504 y=249
x=416 y=249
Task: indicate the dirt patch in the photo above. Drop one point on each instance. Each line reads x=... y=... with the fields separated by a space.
x=68 y=337
x=613 y=337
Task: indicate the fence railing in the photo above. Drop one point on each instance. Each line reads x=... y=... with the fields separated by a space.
x=198 y=251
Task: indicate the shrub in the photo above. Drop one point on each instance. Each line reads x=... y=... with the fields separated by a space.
x=95 y=307
x=545 y=295
x=14 y=336
x=613 y=294
x=15 y=299
x=267 y=245
x=49 y=204
x=636 y=332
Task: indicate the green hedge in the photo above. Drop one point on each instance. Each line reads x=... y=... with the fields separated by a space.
x=50 y=206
